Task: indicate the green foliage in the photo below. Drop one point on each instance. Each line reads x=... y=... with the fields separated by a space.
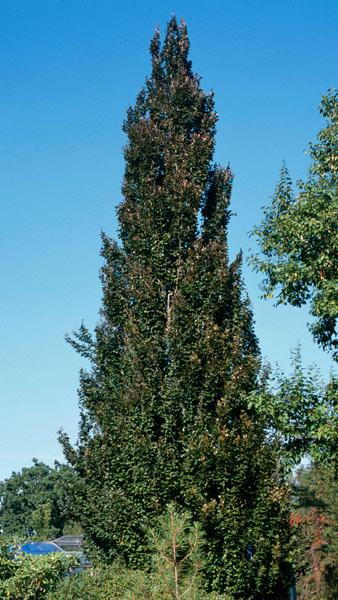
x=178 y=560
x=300 y=412
x=31 y=577
x=301 y=416
x=298 y=236
x=314 y=520
x=175 y=545
x=7 y=565
x=115 y=582
x=41 y=519
x=106 y=584
x=37 y=501
x=165 y=413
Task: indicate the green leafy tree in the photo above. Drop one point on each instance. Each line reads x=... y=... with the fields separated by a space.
x=164 y=408
x=300 y=413
x=37 y=501
x=298 y=237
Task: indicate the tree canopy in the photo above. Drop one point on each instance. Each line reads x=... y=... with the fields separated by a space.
x=165 y=413
x=37 y=501
x=300 y=411
x=298 y=236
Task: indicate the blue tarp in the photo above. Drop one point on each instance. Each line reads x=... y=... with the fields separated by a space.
x=40 y=548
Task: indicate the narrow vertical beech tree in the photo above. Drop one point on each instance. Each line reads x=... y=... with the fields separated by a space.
x=165 y=415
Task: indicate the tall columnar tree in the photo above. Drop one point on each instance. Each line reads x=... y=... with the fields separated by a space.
x=164 y=408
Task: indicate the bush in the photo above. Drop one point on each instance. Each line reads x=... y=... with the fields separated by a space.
x=105 y=584
x=28 y=577
x=115 y=583
x=177 y=564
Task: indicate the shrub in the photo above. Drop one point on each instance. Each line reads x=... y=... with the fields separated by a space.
x=177 y=564
x=115 y=583
x=31 y=577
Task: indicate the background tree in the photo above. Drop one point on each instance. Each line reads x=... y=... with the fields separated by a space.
x=298 y=237
x=314 y=519
x=301 y=413
x=164 y=408
x=37 y=501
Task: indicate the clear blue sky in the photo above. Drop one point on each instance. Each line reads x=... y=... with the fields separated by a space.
x=69 y=70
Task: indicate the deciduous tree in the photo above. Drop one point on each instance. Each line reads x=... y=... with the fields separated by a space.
x=164 y=408
x=37 y=501
x=298 y=236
